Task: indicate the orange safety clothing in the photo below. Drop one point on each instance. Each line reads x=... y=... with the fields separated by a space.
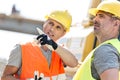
x=34 y=60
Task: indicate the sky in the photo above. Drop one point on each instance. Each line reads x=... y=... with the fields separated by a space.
x=37 y=9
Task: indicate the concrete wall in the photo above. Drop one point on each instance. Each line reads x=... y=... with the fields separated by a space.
x=19 y=24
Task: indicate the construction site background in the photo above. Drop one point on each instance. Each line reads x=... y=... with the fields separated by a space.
x=80 y=40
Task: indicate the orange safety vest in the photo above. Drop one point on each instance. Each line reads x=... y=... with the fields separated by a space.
x=33 y=59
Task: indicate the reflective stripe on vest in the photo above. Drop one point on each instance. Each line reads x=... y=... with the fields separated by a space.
x=33 y=59
x=84 y=72
x=59 y=77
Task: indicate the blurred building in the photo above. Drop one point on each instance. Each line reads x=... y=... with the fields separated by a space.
x=19 y=24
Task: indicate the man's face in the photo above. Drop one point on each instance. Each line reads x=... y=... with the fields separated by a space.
x=53 y=29
x=103 y=24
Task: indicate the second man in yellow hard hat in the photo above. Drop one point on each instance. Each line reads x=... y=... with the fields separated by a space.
x=103 y=63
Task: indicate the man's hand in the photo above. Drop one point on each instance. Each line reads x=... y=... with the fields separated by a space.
x=43 y=39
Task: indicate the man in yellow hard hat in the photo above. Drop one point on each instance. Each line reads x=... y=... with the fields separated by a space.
x=25 y=59
x=103 y=63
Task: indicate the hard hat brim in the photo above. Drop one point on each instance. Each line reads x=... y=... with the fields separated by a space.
x=93 y=11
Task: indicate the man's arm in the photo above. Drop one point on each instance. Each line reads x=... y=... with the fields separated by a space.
x=110 y=74
x=9 y=72
x=14 y=63
x=67 y=57
x=106 y=61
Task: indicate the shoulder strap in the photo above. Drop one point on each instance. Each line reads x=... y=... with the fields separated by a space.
x=115 y=43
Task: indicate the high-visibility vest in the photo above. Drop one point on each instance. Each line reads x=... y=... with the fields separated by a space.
x=84 y=72
x=33 y=59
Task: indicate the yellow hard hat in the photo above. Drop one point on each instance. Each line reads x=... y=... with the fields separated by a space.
x=110 y=6
x=63 y=17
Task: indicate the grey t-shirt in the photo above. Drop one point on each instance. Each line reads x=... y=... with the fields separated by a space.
x=105 y=57
x=15 y=58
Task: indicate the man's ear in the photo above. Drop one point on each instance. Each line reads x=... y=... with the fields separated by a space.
x=117 y=23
